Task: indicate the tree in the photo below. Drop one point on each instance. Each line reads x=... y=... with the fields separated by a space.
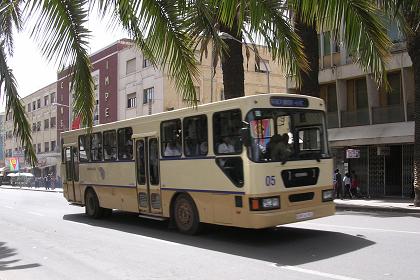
x=60 y=28
x=263 y=20
x=407 y=12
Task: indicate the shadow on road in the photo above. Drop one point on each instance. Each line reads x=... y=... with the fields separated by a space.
x=6 y=252
x=282 y=245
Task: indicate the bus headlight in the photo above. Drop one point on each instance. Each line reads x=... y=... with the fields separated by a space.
x=327 y=195
x=264 y=203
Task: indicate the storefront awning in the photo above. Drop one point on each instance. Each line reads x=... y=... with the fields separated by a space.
x=391 y=133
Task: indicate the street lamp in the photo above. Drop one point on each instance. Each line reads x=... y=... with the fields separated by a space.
x=227 y=36
x=63 y=105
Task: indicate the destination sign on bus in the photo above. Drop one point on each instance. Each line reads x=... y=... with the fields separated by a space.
x=288 y=101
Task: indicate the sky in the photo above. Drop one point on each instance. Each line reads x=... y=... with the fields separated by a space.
x=33 y=72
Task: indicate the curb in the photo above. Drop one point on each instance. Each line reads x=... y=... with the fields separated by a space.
x=31 y=189
x=363 y=208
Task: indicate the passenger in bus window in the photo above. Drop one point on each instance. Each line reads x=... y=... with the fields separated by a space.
x=204 y=148
x=279 y=147
x=226 y=146
x=172 y=149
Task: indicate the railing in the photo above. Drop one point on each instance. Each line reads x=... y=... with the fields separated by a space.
x=388 y=114
x=332 y=119
x=355 y=118
x=410 y=111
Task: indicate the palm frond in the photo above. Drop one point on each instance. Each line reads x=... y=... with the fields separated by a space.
x=60 y=29
x=20 y=123
x=10 y=18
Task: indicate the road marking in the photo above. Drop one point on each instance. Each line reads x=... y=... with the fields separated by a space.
x=317 y=273
x=35 y=213
x=364 y=228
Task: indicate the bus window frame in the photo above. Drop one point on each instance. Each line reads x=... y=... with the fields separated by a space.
x=86 y=148
x=116 y=144
x=162 y=139
x=97 y=149
x=217 y=143
x=184 y=120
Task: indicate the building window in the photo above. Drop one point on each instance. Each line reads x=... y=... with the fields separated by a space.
x=53 y=146
x=38 y=126
x=52 y=97
x=46 y=100
x=148 y=95
x=34 y=106
x=29 y=107
x=260 y=65
x=131 y=100
x=171 y=135
x=130 y=66
x=46 y=147
x=46 y=123
x=394 y=96
x=195 y=136
x=39 y=148
x=38 y=103
x=146 y=63
x=33 y=127
x=125 y=144
x=53 y=122
x=110 y=145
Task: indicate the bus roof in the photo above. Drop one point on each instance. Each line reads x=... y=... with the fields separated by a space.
x=313 y=103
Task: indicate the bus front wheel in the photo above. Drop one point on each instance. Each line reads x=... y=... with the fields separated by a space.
x=92 y=208
x=186 y=215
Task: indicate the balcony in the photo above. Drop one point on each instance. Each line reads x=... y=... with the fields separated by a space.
x=410 y=112
x=388 y=114
x=355 y=118
x=332 y=119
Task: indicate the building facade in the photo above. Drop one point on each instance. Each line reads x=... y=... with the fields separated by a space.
x=41 y=111
x=143 y=89
x=2 y=138
x=371 y=131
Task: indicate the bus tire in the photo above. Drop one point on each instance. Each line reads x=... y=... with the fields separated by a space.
x=92 y=208
x=186 y=215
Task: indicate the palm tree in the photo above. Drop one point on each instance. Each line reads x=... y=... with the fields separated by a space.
x=407 y=12
x=60 y=28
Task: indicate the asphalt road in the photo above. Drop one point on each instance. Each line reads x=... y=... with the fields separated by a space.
x=42 y=237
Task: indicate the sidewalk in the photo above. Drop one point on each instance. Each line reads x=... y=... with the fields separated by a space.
x=57 y=190
x=380 y=205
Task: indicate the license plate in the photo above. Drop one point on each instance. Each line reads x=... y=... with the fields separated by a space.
x=304 y=215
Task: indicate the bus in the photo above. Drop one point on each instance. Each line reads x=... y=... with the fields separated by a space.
x=252 y=162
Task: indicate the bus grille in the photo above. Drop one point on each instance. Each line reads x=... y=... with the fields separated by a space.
x=301 y=196
x=300 y=177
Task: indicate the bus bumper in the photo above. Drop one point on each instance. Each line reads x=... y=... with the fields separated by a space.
x=272 y=219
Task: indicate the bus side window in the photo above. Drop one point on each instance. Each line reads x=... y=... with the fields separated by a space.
x=83 y=148
x=110 y=145
x=195 y=136
x=125 y=143
x=171 y=135
x=96 y=146
x=226 y=132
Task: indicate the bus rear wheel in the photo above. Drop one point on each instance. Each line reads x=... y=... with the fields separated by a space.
x=186 y=215
x=92 y=208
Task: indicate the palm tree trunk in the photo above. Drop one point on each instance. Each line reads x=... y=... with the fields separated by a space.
x=309 y=37
x=233 y=64
x=413 y=48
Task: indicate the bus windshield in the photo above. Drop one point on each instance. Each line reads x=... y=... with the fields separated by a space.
x=281 y=135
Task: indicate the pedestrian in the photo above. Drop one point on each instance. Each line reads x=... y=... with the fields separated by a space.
x=354 y=184
x=338 y=185
x=347 y=185
x=53 y=182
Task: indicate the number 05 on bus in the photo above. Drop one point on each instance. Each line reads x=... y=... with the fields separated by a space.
x=253 y=162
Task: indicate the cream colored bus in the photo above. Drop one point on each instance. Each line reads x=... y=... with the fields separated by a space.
x=252 y=162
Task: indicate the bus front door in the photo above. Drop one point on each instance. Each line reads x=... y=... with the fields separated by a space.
x=148 y=175
x=72 y=175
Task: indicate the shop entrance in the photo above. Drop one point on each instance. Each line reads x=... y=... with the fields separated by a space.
x=393 y=171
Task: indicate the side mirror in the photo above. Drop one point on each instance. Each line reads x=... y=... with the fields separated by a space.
x=245 y=136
